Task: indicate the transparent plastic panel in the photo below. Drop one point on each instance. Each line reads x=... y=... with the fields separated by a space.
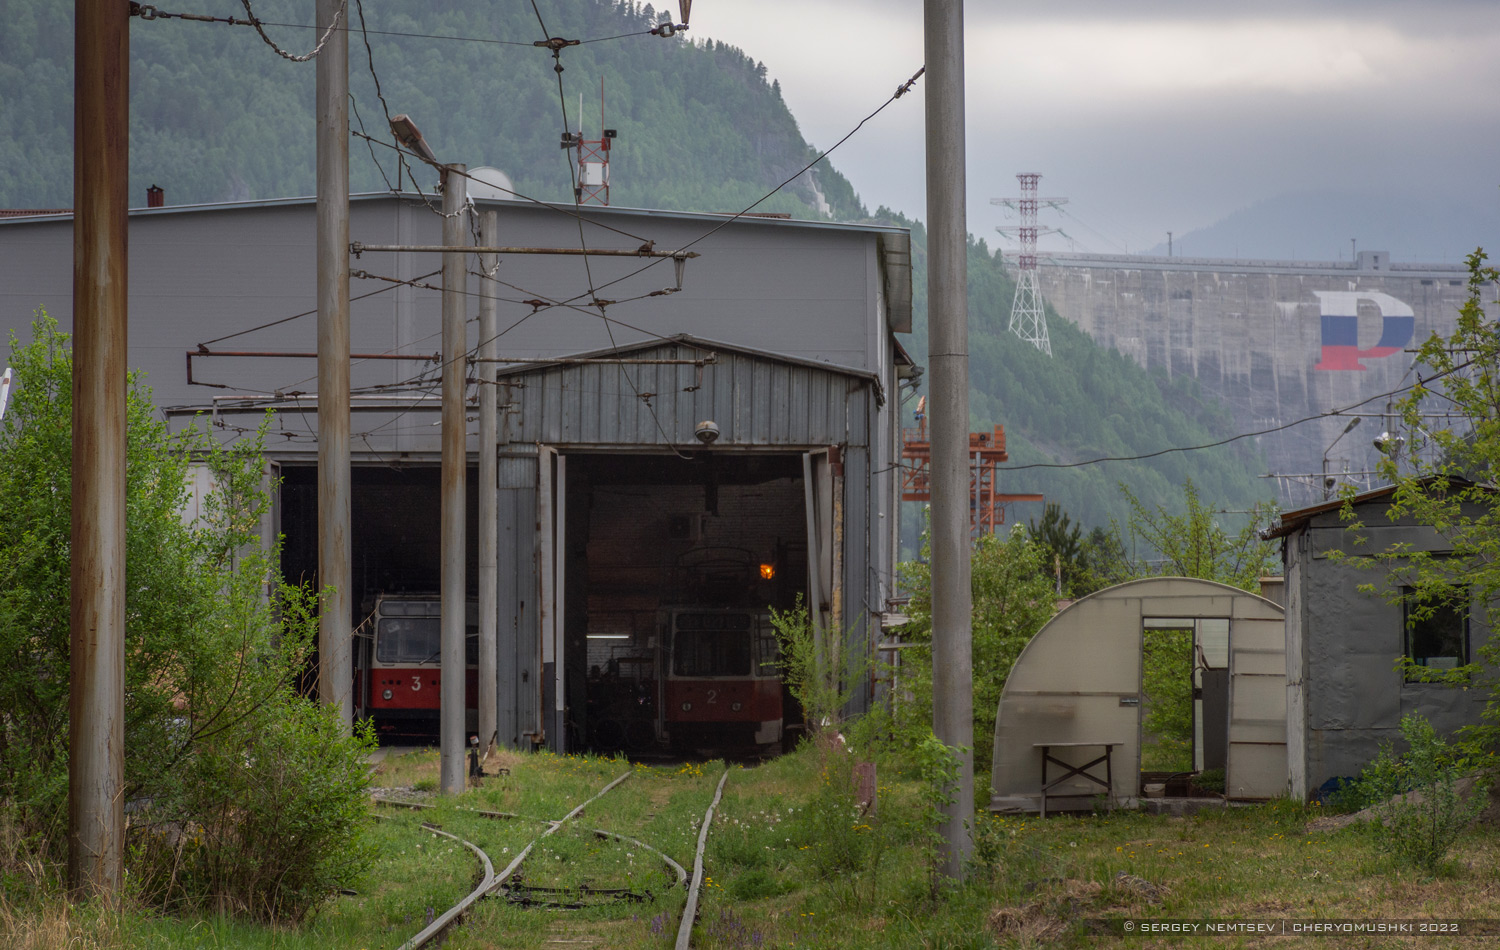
x=1260 y=664
x=1256 y=697
x=1027 y=722
x=1256 y=771
x=1260 y=635
x=1091 y=647
x=1213 y=640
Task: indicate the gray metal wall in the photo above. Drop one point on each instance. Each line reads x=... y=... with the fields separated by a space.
x=805 y=290
x=237 y=277
x=1346 y=643
x=754 y=400
x=520 y=657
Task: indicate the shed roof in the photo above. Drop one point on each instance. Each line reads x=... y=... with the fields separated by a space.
x=685 y=339
x=1292 y=521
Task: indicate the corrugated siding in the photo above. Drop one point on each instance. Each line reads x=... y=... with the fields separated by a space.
x=754 y=401
x=857 y=574
x=520 y=661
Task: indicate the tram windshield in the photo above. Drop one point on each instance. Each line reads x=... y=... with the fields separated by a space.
x=408 y=640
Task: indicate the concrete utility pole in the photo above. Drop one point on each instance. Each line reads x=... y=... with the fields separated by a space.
x=335 y=666
x=947 y=295
x=489 y=525
x=101 y=154
x=454 y=469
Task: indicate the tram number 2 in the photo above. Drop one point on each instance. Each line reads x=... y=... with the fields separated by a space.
x=713 y=696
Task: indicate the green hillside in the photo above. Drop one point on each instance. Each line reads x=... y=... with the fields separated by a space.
x=216 y=115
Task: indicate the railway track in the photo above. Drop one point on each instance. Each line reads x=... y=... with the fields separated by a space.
x=507 y=880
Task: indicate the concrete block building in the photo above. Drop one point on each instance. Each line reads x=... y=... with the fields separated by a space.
x=1346 y=693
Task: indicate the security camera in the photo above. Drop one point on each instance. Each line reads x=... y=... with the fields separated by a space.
x=707 y=431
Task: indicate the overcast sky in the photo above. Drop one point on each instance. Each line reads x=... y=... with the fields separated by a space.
x=1152 y=116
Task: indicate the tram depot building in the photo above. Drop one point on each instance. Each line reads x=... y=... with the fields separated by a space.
x=620 y=529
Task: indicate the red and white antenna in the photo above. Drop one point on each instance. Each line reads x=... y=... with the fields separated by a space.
x=1028 y=318
x=593 y=157
x=5 y=390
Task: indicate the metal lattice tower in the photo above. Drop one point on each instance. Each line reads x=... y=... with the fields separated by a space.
x=1028 y=318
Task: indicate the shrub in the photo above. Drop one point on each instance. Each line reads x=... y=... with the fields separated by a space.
x=1012 y=600
x=1420 y=809
x=240 y=794
x=266 y=821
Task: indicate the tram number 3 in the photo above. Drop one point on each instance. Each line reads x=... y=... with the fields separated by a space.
x=416 y=683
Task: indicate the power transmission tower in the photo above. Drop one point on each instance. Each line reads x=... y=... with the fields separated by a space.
x=1028 y=319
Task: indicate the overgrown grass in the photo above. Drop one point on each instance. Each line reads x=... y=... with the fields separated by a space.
x=784 y=872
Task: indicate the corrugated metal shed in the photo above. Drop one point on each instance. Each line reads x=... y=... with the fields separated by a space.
x=756 y=399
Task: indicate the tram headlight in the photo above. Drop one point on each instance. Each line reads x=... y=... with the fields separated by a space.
x=387 y=694
x=735 y=707
x=687 y=707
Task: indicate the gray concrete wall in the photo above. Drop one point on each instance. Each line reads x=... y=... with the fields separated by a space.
x=1352 y=696
x=1251 y=334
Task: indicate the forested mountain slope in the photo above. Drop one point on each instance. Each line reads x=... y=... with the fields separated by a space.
x=217 y=115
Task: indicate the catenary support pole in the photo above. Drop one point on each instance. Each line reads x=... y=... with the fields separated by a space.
x=335 y=664
x=947 y=278
x=453 y=582
x=101 y=123
x=489 y=525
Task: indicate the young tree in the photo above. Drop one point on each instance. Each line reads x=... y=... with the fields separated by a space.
x=1444 y=477
x=1013 y=597
x=1086 y=562
x=213 y=642
x=1192 y=544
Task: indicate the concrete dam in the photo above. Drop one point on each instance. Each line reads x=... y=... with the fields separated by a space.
x=1275 y=341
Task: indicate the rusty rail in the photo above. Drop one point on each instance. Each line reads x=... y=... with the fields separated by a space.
x=690 y=911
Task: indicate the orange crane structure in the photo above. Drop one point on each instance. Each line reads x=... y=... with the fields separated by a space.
x=986 y=450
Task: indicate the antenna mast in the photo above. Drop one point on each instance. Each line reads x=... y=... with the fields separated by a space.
x=1028 y=318
x=593 y=157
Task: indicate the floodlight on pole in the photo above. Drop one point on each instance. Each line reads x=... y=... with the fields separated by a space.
x=410 y=137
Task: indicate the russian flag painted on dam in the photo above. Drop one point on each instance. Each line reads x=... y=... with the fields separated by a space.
x=1341 y=328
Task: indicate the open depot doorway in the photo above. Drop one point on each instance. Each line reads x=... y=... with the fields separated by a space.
x=396 y=551
x=667 y=570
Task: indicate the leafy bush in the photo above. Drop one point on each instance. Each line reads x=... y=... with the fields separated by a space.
x=1167 y=716
x=265 y=823
x=1210 y=780
x=1012 y=600
x=1419 y=808
x=240 y=794
x=838 y=832
x=811 y=667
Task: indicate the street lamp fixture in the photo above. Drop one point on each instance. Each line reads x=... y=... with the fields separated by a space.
x=1328 y=480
